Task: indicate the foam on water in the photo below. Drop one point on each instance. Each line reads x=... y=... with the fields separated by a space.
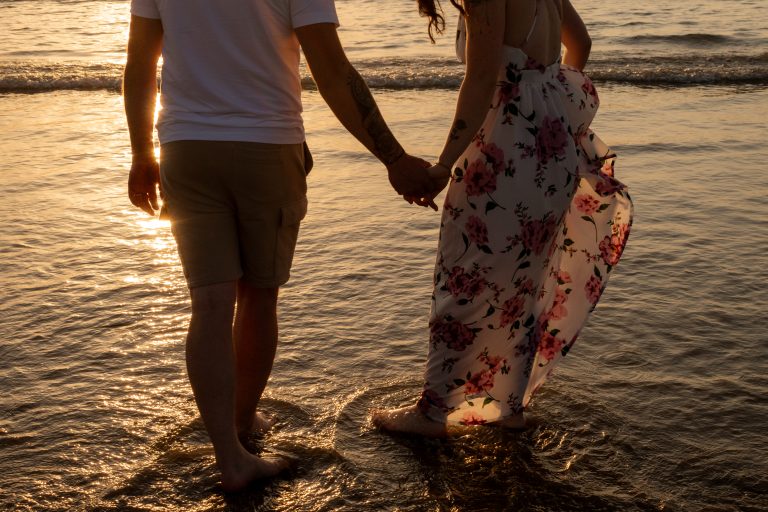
x=415 y=73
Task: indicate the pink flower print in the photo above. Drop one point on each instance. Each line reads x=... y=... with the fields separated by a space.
x=476 y=230
x=549 y=345
x=430 y=398
x=586 y=203
x=479 y=178
x=534 y=64
x=526 y=287
x=512 y=310
x=608 y=186
x=458 y=281
x=455 y=335
x=454 y=212
x=495 y=156
x=563 y=277
x=550 y=139
x=479 y=382
x=589 y=88
x=612 y=246
x=508 y=92
x=470 y=418
x=593 y=289
x=475 y=287
x=558 y=310
x=494 y=362
x=609 y=251
x=537 y=234
x=462 y=283
x=608 y=166
x=622 y=232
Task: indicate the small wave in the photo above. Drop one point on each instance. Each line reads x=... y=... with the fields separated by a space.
x=407 y=74
x=44 y=77
x=695 y=39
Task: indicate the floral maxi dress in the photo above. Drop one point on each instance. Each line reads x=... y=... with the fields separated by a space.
x=532 y=225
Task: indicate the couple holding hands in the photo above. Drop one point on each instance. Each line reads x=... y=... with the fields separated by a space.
x=533 y=220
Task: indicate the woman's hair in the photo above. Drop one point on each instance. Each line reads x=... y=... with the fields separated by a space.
x=433 y=10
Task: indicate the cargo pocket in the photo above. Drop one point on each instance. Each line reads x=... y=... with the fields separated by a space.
x=291 y=216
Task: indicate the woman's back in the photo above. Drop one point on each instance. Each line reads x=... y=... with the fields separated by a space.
x=534 y=27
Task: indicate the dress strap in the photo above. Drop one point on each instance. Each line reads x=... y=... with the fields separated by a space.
x=533 y=25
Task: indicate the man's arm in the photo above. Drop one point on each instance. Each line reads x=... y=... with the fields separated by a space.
x=348 y=96
x=145 y=43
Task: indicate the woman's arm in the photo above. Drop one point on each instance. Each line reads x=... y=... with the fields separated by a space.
x=575 y=37
x=485 y=21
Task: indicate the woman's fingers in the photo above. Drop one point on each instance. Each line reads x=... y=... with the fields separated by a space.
x=438 y=172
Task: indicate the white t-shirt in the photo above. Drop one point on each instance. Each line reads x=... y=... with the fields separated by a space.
x=231 y=67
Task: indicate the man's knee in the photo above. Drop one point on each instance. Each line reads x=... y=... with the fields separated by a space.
x=250 y=295
x=213 y=299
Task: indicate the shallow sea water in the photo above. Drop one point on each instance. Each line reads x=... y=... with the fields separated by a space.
x=661 y=405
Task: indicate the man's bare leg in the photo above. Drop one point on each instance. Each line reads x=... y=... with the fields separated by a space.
x=211 y=369
x=255 y=336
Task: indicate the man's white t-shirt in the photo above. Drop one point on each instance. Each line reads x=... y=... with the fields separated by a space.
x=231 y=67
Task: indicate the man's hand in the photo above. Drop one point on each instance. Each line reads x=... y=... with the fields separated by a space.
x=439 y=175
x=408 y=176
x=144 y=183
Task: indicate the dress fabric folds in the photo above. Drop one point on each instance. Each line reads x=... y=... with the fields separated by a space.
x=533 y=223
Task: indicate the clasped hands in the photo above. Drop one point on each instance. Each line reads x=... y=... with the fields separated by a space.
x=417 y=180
x=413 y=178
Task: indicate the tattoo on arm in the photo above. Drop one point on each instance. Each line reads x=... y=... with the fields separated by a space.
x=386 y=147
x=458 y=126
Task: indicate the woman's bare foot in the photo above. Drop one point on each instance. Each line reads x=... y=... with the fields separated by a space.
x=250 y=468
x=260 y=423
x=407 y=420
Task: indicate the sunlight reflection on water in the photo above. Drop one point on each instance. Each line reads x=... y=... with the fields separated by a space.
x=662 y=396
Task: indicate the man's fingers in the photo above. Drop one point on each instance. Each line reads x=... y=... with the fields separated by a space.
x=141 y=201
x=147 y=208
x=153 y=199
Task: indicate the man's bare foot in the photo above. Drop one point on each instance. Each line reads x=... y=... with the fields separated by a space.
x=407 y=420
x=260 y=423
x=250 y=468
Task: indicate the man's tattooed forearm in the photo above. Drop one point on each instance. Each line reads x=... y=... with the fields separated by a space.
x=458 y=126
x=386 y=147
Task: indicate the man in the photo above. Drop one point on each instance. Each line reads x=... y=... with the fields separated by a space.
x=233 y=178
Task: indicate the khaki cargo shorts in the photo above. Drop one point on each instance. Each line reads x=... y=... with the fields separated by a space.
x=235 y=208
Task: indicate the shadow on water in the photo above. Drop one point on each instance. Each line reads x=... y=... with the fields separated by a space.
x=183 y=474
x=341 y=463
x=486 y=469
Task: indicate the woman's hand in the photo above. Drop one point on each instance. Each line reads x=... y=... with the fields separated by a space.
x=440 y=175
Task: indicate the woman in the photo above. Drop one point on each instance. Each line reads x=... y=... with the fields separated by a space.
x=533 y=221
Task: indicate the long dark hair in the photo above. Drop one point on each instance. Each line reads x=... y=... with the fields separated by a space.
x=433 y=10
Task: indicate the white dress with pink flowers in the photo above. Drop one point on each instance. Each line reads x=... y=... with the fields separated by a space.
x=533 y=224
